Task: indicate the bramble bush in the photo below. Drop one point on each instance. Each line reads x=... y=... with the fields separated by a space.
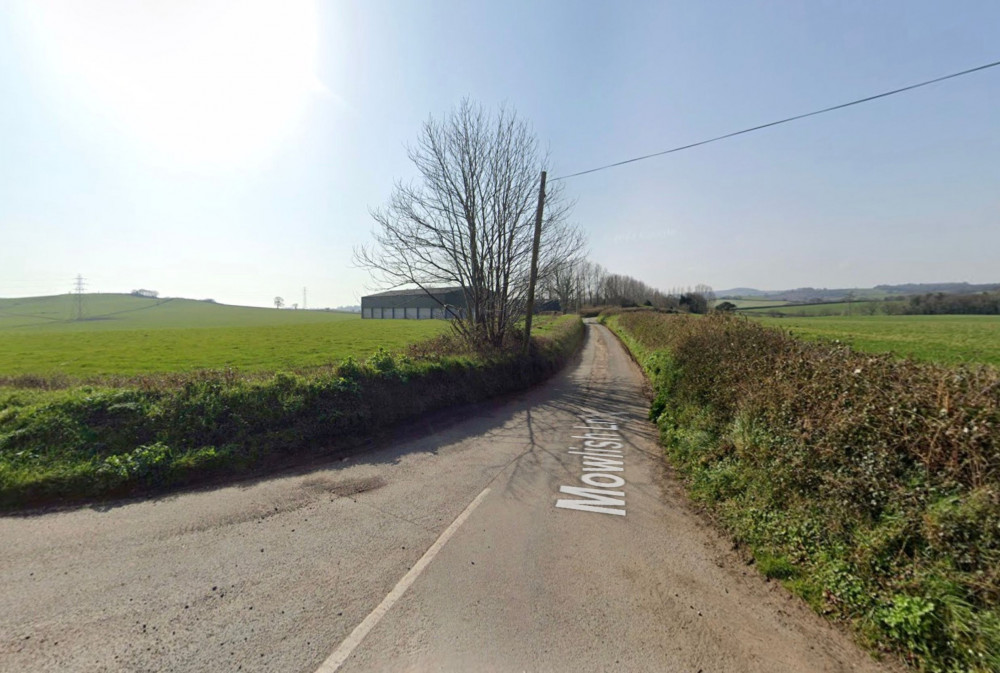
x=868 y=484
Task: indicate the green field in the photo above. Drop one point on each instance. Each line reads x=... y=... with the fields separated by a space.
x=949 y=339
x=128 y=335
x=840 y=308
x=104 y=312
x=753 y=303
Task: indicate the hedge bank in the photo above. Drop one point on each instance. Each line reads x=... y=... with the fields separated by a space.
x=147 y=434
x=868 y=485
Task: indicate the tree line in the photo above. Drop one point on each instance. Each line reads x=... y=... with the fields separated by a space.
x=577 y=284
x=931 y=303
x=940 y=303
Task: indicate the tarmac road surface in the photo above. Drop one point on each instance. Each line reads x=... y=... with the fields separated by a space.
x=537 y=533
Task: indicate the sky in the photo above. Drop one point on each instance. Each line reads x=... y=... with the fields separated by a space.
x=233 y=150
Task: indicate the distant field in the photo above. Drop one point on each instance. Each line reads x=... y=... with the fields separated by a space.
x=103 y=312
x=753 y=303
x=949 y=339
x=129 y=335
x=844 y=308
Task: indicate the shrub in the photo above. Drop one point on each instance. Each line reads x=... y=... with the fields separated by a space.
x=350 y=368
x=870 y=485
x=383 y=362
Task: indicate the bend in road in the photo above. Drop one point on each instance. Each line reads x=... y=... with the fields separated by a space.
x=277 y=574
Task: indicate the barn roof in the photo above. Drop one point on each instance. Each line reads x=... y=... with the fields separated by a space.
x=417 y=292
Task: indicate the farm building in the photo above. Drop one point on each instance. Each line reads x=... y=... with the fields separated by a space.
x=441 y=303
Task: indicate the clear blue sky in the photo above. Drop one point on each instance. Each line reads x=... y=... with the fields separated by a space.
x=232 y=150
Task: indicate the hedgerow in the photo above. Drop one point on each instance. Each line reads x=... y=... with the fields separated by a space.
x=62 y=442
x=869 y=485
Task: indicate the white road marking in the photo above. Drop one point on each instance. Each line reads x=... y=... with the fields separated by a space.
x=603 y=452
x=340 y=655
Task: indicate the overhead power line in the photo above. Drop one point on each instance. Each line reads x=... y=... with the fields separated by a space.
x=781 y=121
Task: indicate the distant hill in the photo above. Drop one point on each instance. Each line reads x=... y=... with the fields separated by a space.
x=950 y=288
x=740 y=293
x=103 y=312
x=812 y=294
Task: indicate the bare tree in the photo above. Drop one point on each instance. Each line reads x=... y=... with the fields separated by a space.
x=561 y=284
x=278 y=302
x=706 y=291
x=589 y=279
x=594 y=285
x=469 y=220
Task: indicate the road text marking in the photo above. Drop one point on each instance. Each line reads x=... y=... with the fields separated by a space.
x=602 y=456
x=340 y=655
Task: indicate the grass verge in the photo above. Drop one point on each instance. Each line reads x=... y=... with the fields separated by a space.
x=868 y=485
x=151 y=433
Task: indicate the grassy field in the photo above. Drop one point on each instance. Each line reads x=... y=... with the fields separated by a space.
x=129 y=335
x=753 y=303
x=844 y=308
x=107 y=312
x=129 y=435
x=950 y=339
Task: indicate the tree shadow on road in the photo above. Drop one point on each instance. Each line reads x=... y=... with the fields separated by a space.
x=568 y=393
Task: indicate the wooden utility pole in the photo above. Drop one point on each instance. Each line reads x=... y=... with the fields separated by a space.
x=534 y=265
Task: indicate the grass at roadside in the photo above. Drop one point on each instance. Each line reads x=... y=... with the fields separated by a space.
x=868 y=485
x=152 y=433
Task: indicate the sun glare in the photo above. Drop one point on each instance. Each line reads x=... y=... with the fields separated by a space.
x=206 y=83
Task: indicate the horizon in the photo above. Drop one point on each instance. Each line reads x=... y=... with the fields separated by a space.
x=295 y=306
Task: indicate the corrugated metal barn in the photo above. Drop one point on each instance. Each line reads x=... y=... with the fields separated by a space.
x=442 y=303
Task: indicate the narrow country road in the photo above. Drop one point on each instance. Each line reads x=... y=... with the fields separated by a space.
x=541 y=533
